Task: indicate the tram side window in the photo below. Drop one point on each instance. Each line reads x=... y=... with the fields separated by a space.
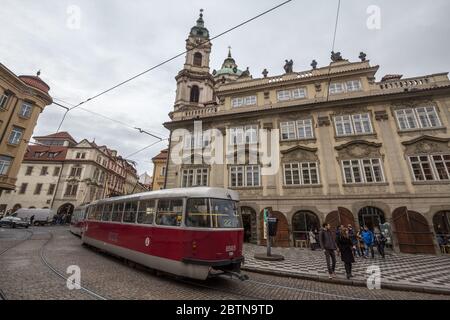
x=98 y=212
x=146 y=212
x=224 y=214
x=129 y=215
x=106 y=216
x=91 y=213
x=117 y=212
x=169 y=212
x=198 y=214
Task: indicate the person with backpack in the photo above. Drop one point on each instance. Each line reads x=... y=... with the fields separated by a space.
x=380 y=241
x=369 y=240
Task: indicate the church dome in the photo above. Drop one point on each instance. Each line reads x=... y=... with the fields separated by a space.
x=229 y=67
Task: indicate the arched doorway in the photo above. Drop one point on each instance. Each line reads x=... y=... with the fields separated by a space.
x=66 y=208
x=16 y=207
x=371 y=217
x=413 y=232
x=441 y=223
x=249 y=223
x=342 y=216
x=282 y=237
x=302 y=223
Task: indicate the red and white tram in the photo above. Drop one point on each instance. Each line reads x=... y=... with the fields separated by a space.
x=192 y=232
x=78 y=218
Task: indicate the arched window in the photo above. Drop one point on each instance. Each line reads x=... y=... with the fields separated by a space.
x=371 y=217
x=195 y=94
x=302 y=223
x=198 y=59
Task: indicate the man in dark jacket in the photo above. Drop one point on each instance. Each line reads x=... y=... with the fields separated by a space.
x=328 y=245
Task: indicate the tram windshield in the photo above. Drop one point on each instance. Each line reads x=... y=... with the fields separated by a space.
x=212 y=213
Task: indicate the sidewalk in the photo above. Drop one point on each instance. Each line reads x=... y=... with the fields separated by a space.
x=421 y=273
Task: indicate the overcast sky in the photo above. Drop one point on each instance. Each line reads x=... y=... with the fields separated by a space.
x=117 y=39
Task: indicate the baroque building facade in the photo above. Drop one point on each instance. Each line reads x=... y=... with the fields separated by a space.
x=344 y=147
x=22 y=99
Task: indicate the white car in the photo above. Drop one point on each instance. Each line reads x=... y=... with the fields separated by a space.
x=13 y=222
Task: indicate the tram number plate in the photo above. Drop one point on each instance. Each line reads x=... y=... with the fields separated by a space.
x=230 y=248
x=227 y=223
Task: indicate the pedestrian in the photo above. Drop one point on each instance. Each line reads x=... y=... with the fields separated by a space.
x=355 y=243
x=380 y=241
x=312 y=240
x=345 y=245
x=328 y=245
x=369 y=240
x=32 y=219
x=316 y=236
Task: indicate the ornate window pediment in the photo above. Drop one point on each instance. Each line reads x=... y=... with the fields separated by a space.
x=426 y=144
x=359 y=149
x=299 y=153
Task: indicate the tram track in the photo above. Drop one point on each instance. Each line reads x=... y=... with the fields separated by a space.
x=30 y=234
x=60 y=274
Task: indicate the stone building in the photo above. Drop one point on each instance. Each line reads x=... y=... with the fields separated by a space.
x=347 y=148
x=159 y=170
x=61 y=173
x=22 y=99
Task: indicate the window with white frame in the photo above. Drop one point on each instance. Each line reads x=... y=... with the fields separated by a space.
x=243 y=101
x=252 y=173
x=25 y=110
x=3 y=100
x=353 y=85
x=430 y=167
x=421 y=117
x=293 y=94
x=305 y=173
x=196 y=140
x=336 y=87
x=5 y=163
x=15 y=136
x=245 y=134
x=71 y=190
x=194 y=177
x=361 y=123
x=363 y=171
x=343 y=125
x=76 y=171
x=304 y=129
x=245 y=176
x=353 y=124
x=288 y=130
x=348 y=86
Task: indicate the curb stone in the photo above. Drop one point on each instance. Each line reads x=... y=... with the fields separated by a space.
x=357 y=283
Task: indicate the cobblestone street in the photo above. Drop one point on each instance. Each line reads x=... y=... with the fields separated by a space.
x=416 y=272
x=25 y=276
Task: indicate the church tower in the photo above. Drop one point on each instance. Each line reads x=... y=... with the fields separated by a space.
x=195 y=85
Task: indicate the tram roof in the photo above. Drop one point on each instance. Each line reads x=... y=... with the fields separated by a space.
x=197 y=192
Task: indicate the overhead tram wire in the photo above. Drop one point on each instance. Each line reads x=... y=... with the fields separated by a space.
x=156 y=135
x=173 y=58
x=145 y=148
x=333 y=46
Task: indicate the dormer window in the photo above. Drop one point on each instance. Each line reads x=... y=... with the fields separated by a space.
x=348 y=86
x=198 y=59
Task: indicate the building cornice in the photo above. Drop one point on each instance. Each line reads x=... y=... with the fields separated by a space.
x=315 y=105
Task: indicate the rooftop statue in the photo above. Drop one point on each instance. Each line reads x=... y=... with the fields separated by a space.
x=288 y=67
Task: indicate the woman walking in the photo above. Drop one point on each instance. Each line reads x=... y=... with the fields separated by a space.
x=345 y=245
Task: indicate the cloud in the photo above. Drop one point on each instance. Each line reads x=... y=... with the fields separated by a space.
x=118 y=39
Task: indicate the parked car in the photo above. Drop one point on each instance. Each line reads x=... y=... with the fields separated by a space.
x=14 y=222
x=41 y=216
